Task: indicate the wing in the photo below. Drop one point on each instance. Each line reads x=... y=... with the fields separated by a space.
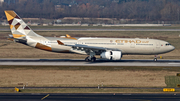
x=86 y=48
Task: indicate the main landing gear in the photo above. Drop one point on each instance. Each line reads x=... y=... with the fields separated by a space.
x=89 y=58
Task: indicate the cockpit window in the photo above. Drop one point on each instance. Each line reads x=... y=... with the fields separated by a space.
x=168 y=44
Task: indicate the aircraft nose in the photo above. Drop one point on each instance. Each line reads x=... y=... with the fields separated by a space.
x=172 y=48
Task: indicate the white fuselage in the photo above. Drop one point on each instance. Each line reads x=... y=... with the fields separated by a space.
x=125 y=45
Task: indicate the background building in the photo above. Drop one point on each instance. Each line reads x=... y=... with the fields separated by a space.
x=1 y=1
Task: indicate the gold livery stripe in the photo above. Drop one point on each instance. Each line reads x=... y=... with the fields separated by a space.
x=44 y=47
x=11 y=26
x=10 y=15
x=17 y=35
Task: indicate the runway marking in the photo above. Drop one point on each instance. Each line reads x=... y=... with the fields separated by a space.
x=173 y=63
x=126 y=94
x=45 y=97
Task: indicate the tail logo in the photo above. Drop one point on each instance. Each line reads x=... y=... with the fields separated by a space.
x=18 y=27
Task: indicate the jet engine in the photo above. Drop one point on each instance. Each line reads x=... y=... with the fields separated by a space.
x=111 y=55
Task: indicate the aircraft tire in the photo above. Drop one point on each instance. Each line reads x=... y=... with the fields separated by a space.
x=87 y=59
x=93 y=59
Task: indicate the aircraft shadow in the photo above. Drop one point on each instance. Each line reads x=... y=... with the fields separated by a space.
x=81 y=60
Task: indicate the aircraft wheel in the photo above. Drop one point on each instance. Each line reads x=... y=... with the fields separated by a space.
x=93 y=59
x=87 y=59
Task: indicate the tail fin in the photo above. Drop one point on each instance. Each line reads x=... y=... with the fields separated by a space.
x=18 y=27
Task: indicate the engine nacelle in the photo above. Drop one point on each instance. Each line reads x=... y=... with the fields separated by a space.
x=111 y=55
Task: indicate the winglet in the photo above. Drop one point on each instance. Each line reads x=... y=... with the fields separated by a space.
x=69 y=37
x=60 y=43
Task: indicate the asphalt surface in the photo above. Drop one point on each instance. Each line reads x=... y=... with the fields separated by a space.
x=89 y=97
x=52 y=29
x=71 y=62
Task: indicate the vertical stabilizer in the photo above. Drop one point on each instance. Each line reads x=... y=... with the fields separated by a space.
x=18 y=27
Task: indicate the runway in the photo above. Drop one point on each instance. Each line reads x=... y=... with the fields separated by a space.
x=88 y=97
x=78 y=62
x=53 y=29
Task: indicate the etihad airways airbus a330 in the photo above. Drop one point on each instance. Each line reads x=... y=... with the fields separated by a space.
x=107 y=48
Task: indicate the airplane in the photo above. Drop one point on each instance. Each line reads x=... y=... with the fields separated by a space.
x=107 y=48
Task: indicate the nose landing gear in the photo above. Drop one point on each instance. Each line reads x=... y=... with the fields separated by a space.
x=155 y=58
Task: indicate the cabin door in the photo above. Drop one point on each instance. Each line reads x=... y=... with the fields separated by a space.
x=157 y=44
x=45 y=42
x=132 y=45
